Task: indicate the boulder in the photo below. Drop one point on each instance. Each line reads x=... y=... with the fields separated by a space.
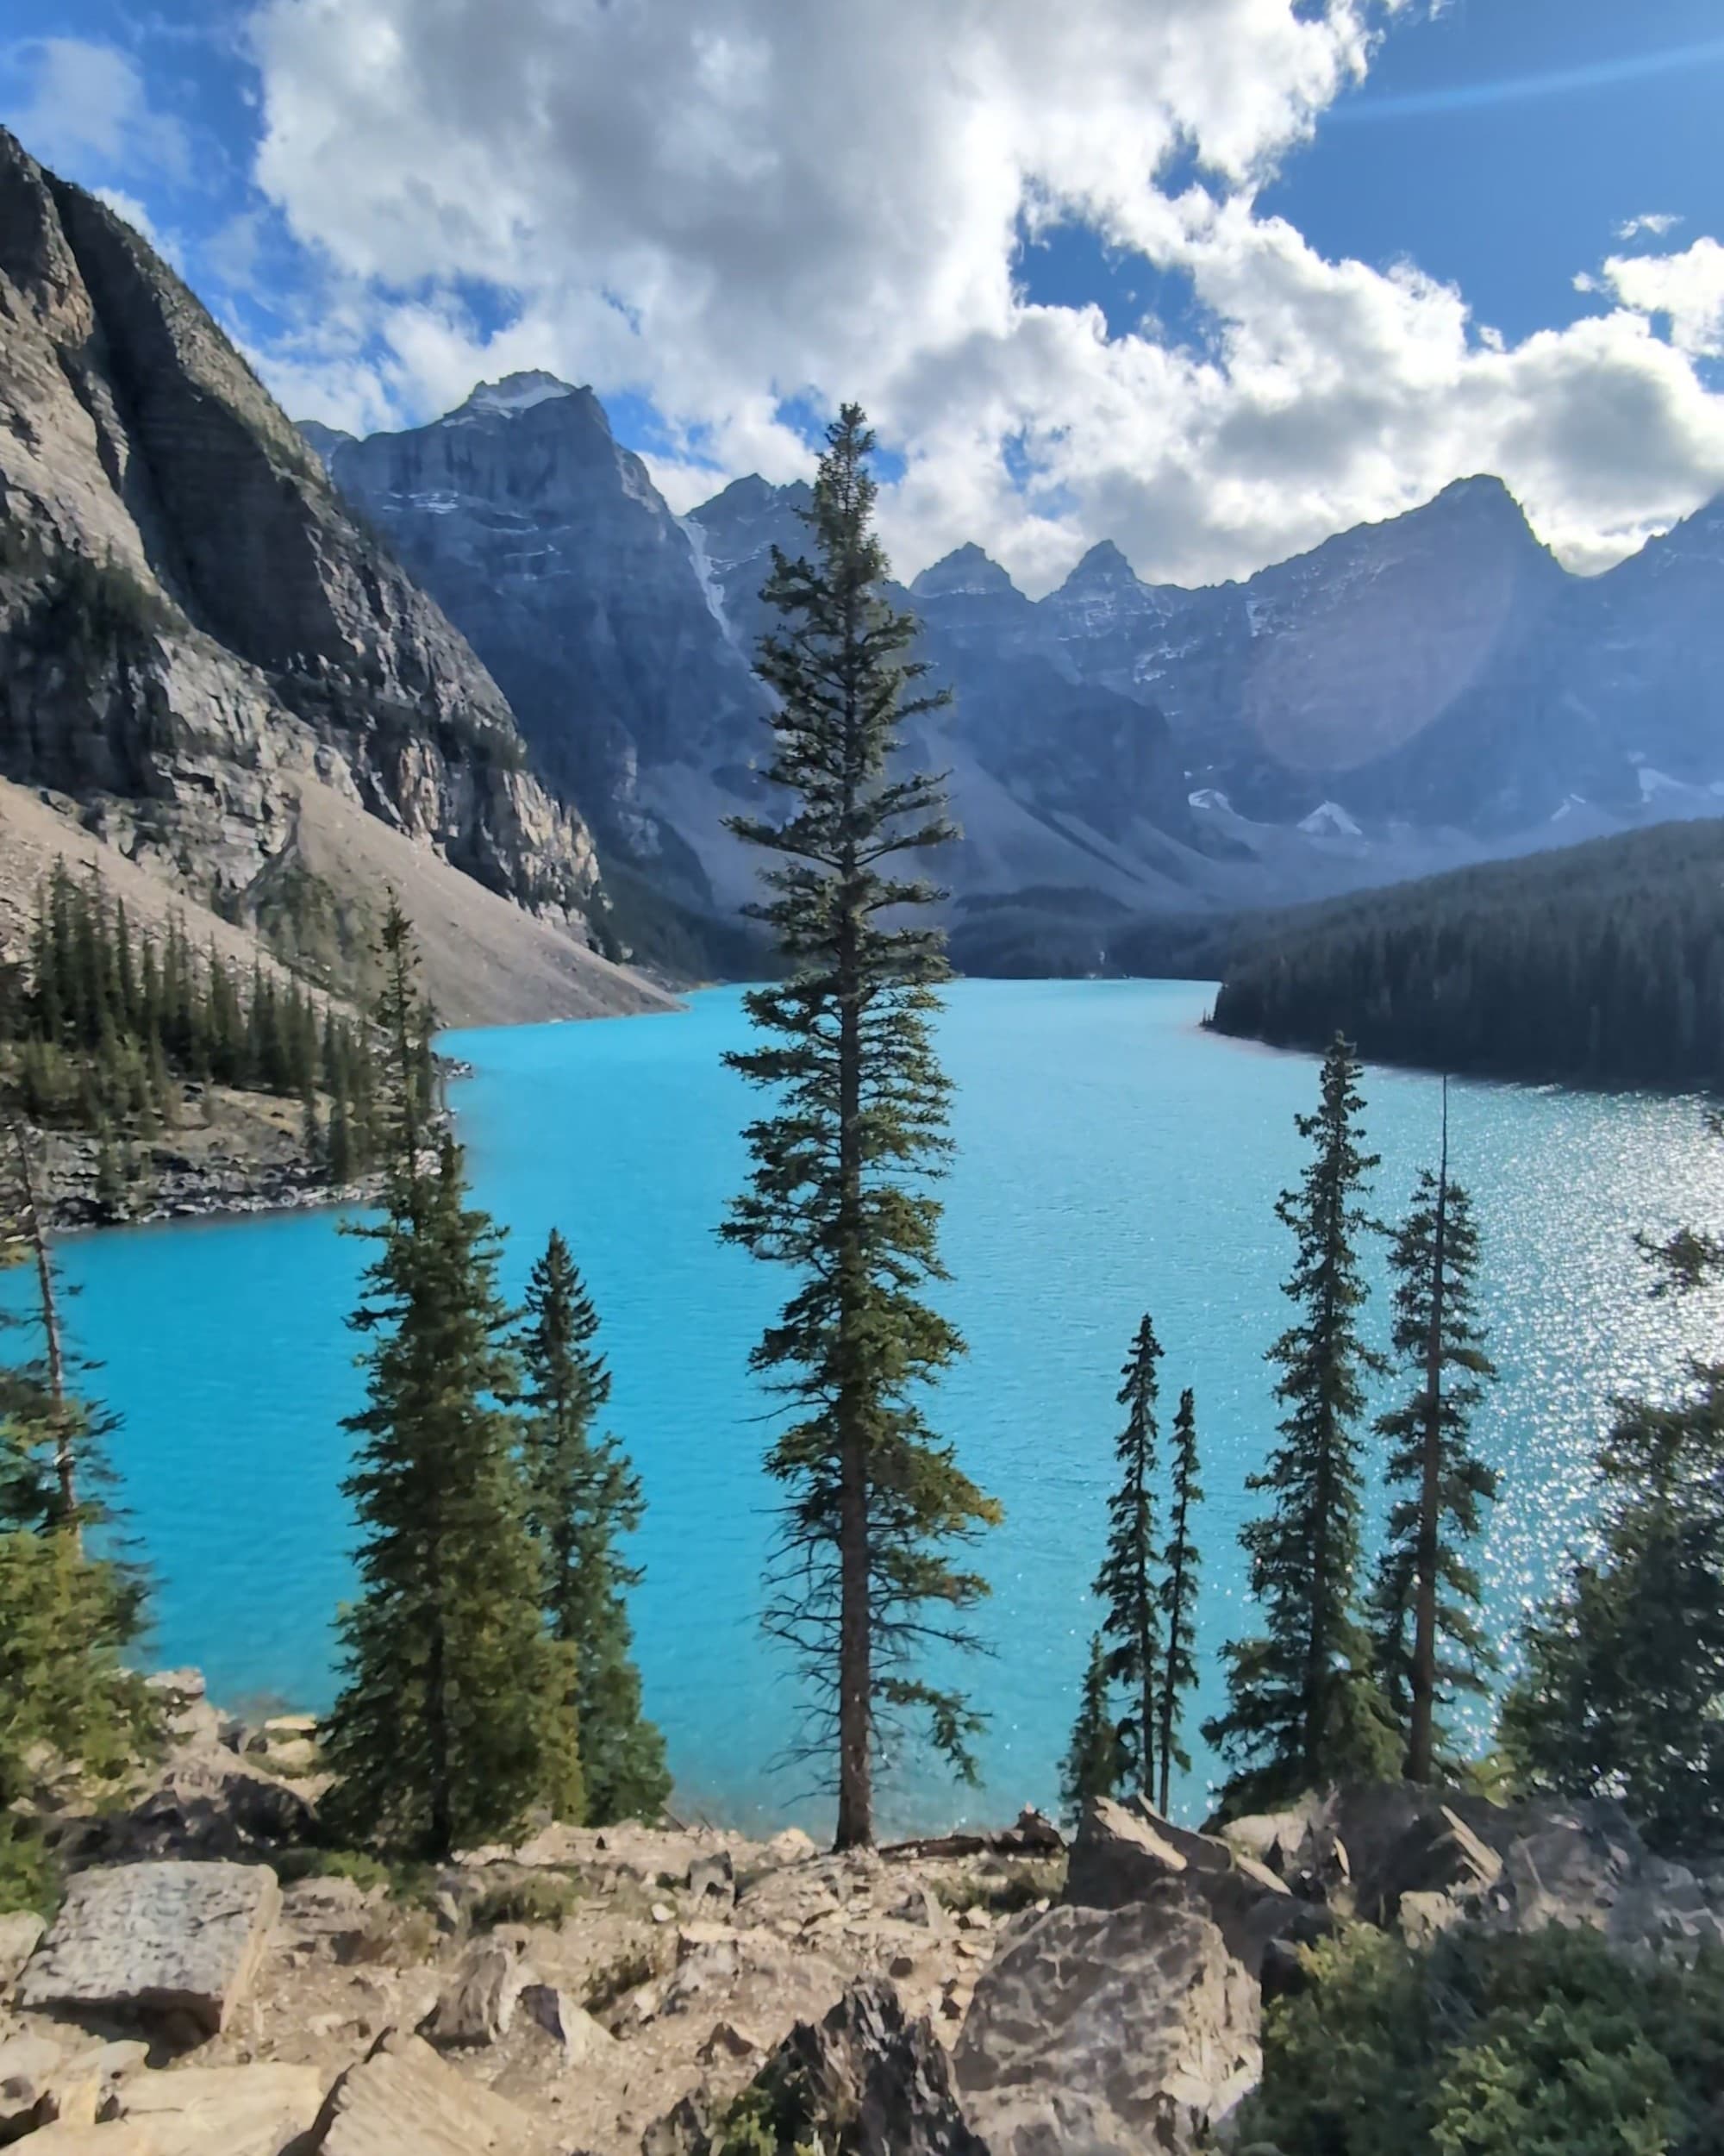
x=41 y=2081
x=884 y=2077
x=208 y=1805
x=1438 y=1853
x=684 y=2130
x=261 y=2110
x=478 y=2006
x=402 y=2100
x=20 y=1936
x=1126 y=1852
x=28 y=2066
x=566 y=2021
x=120 y=2137
x=187 y=1714
x=713 y=1878
x=1119 y=1856
x=1111 y=2031
x=158 y=1941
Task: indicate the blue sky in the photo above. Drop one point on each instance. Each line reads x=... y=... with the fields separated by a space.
x=1211 y=277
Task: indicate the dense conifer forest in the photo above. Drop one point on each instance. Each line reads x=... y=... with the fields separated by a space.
x=102 y=1028
x=1601 y=965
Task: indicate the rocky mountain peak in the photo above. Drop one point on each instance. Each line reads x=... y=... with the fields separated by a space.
x=1104 y=565
x=967 y=570
x=523 y=392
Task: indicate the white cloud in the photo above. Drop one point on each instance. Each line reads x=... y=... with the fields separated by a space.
x=1688 y=288
x=724 y=203
x=1656 y=221
x=86 y=103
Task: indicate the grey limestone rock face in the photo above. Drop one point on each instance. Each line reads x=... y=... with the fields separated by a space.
x=155 y=1941
x=587 y=600
x=193 y=627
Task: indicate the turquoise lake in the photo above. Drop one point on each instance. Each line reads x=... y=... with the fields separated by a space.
x=1112 y=1159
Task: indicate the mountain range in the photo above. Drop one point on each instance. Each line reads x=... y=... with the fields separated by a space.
x=1410 y=695
x=281 y=667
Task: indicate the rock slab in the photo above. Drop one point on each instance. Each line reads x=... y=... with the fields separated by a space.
x=1045 y=2063
x=403 y=2100
x=156 y=1941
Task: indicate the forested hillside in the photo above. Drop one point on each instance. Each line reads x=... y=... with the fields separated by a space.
x=1602 y=964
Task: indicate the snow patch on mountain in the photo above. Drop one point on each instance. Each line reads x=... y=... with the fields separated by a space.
x=516 y=393
x=1330 y=821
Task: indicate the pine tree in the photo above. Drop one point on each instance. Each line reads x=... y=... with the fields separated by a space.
x=1303 y=1709
x=1098 y=1761
x=582 y=1496
x=1425 y=1585
x=67 y=1618
x=1126 y=1586
x=839 y=1191
x=453 y=1716
x=1181 y=1564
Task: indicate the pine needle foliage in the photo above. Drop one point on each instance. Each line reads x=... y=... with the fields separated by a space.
x=583 y=1496
x=68 y=1617
x=457 y=1708
x=865 y=1578
x=1303 y=1709
x=1126 y=1586
x=1098 y=1760
x=1181 y=1564
x=1430 y=1645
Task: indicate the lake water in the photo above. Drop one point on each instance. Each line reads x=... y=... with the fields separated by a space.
x=1113 y=1157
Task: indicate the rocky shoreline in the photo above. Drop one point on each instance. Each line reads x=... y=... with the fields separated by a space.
x=219 y=1982
x=247 y=1160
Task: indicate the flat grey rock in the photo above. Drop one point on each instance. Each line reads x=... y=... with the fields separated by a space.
x=154 y=1941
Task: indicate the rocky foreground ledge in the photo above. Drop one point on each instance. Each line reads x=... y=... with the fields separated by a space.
x=214 y=1985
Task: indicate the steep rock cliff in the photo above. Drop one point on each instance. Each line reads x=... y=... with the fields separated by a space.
x=197 y=640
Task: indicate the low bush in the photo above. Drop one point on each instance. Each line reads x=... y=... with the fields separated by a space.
x=535 y=1899
x=1482 y=2044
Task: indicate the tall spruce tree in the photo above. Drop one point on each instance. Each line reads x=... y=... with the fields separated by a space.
x=1126 y=1586
x=457 y=1708
x=866 y=1575
x=1097 y=1763
x=582 y=1496
x=1303 y=1707
x=1430 y=1645
x=1181 y=1564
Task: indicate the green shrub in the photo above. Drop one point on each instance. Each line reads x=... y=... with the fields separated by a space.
x=28 y=1878
x=536 y=1898
x=365 y=1871
x=1549 y=2045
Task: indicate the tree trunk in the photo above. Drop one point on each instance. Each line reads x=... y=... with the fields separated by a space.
x=65 y=1466
x=1176 y=1603
x=1318 y=1674
x=855 y=1558
x=1421 y=1742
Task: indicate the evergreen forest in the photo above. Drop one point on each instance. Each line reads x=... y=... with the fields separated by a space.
x=1599 y=964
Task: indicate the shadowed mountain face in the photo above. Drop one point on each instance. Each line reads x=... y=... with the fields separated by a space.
x=1410 y=695
x=198 y=642
x=588 y=601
